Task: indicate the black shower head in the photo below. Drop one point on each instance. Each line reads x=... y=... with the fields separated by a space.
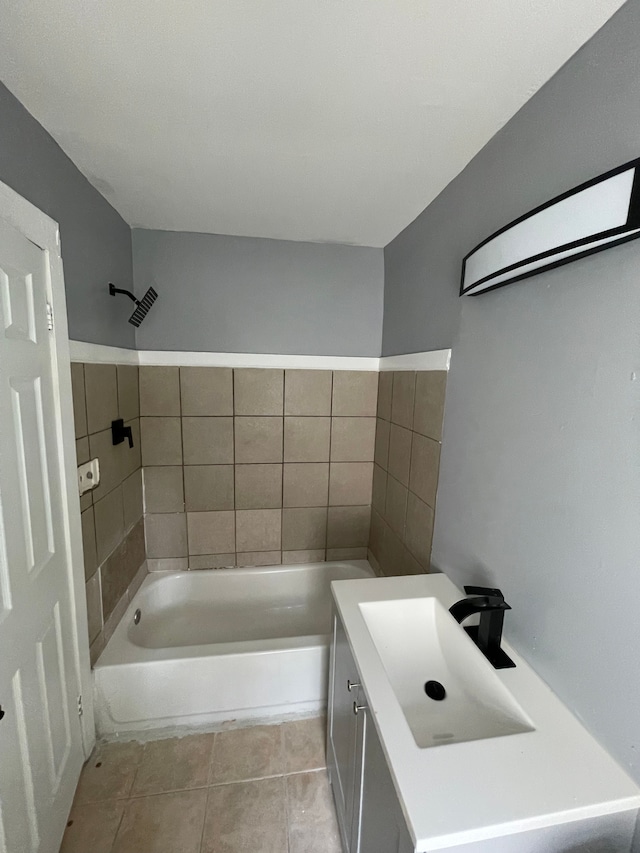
x=142 y=306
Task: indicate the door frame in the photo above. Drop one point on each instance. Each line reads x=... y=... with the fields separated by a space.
x=44 y=232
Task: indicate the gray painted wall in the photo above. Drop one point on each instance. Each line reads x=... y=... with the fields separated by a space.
x=421 y=267
x=242 y=294
x=540 y=474
x=96 y=241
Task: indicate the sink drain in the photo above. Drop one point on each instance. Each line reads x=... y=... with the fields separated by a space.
x=435 y=690
x=137 y=616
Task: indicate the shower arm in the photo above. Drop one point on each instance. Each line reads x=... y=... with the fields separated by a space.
x=113 y=290
x=142 y=305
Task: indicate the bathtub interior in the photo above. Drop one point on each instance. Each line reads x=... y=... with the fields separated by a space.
x=240 y=606
x=182 y=615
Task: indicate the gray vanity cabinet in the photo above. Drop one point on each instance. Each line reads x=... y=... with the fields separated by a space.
x=369 y=815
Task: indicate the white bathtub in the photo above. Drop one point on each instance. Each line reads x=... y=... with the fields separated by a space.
x=214 y=646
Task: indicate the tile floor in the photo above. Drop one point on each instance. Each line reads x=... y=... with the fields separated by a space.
x=262 y=789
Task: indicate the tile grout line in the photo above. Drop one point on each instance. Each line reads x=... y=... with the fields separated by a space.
x=184 y=485
x=211 y=759
x=406 y=509
x=385 y=522
x=144 y=497
x=125 y=800
x=213 y=746
x=204 y=821
x=128 y=799
x=115 y=834
x=143 y=795
x=324 y=504
x=284 y=409
x=92 y=505
x=326 y=532
x=135 y=775
x=235 y=462
x=285 y=788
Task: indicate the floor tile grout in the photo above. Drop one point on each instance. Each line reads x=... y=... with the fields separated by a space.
x=115 y=834
x=287 y=819
x=211 y=759
x=285 y=789
x=143 y=795
x=204 y=818
x=286 y=752
x=199 y=787
x=126 y=801
x=135 y=775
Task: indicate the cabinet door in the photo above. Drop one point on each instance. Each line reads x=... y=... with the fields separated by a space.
x=341 y=735
x=382 y=826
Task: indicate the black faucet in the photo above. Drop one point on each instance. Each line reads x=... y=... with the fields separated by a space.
x=490 y=604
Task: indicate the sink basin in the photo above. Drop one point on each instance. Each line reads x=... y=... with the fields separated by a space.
x=418 y=641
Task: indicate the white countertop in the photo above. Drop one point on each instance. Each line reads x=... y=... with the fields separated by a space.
x=465 y=792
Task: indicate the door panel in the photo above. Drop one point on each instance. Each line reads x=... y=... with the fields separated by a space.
x=342 y=729
x=16 y=290
x=28 y=419
x=19 y=805
x=382 y=825
x=40 y=735
x=52 y=683
x=357 y=780
x=5 y=583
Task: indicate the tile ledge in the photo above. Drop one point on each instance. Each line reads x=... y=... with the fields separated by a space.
x=439 y=359
x=89 y=353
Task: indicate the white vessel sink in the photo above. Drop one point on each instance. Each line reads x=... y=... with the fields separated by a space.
x=418 y=641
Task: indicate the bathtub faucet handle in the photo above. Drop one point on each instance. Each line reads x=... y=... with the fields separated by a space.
x=120 y=432
x=352 y=685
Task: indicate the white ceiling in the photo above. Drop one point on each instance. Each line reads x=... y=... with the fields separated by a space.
x=321 y=120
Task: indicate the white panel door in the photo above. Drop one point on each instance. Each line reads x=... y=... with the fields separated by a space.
x=41 y=751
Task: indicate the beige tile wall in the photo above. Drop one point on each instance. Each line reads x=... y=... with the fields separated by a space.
x=252 y=467
x=112 y=514
x=405 y=477
x=256 y=466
